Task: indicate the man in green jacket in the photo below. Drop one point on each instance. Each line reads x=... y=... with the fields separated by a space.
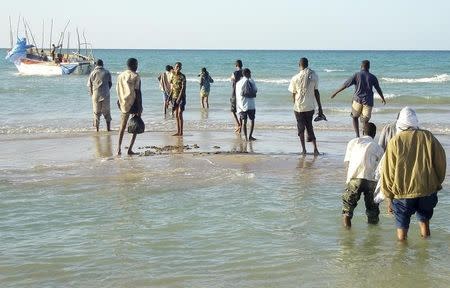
x=413 y=171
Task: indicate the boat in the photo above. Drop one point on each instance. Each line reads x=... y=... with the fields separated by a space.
x=29 y=60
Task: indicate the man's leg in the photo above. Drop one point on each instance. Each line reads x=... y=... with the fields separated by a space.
x=237 y=123
x=180 y=116
x=252 y=126
x=350 y=199
x=356 y=126
x=123 y=124
x=425 y=212
x=130 y=148
x=251 y=115
x=245 y=128
x=357 y=110
x=403 y=209
x=301 y=130
x=177 y=116
x=372 y=208
x=308 y=118
x=106 y=110
x=425 y=229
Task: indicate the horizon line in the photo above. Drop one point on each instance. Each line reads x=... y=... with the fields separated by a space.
x=268 y=49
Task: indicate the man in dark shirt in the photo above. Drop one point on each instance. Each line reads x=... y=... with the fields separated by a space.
x=364 y=82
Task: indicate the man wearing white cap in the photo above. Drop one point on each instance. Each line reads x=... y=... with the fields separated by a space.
x=413 y=170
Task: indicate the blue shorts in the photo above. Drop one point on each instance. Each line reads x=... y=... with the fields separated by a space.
x=182 y=104
x=405 y=208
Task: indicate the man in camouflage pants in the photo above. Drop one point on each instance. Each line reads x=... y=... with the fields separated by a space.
x=362 y=156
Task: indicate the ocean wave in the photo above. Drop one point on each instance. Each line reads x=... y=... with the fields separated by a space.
x=257 y=80
x=386 y=96
x=333 y=70
x=436 y=79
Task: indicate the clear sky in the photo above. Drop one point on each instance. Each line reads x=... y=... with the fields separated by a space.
x=245 y=24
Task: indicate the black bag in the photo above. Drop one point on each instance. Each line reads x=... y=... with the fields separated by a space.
x=248 y=90
x=136 y=125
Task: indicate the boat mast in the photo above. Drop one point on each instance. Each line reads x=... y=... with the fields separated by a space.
x=18 y=25
x=10 y=33
x=31 y=33
x=68 y=45
x=86 y=44
x=51 y=32
x=61 y=38
x=79 y=45
x=42 y=39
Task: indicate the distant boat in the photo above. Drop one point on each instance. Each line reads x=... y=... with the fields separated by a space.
x=30 y=61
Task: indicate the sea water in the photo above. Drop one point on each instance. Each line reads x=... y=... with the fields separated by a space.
x=73 y=215
x=421 y=79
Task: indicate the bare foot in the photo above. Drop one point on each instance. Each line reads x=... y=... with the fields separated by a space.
x=251 y=138
x=316 y=153
x=303 y=153
x=130 y=152
x=119 y=152
x=176 y=134
x=237 y=130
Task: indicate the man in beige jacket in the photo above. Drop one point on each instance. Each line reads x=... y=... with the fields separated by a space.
x=413 y=170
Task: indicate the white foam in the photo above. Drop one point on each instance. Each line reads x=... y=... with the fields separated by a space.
x=333 y=70
x=436 y=79
x=257 y=80
x=386 y=96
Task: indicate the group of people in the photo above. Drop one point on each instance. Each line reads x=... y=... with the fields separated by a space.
x=407 y=167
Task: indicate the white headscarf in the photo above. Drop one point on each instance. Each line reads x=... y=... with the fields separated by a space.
x=407 y=119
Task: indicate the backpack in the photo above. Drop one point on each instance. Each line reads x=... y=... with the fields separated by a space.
x=248 y=90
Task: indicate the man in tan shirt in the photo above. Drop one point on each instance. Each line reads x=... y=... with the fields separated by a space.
x=413 y=170
x=130 y=100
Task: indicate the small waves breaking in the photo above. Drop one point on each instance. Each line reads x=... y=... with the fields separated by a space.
x=333 y=70
x=436 y=79
x=258 y=80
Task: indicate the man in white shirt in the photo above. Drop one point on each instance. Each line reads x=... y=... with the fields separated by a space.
x=245 y=102
x=304 y=88
x=165 y=86
x=362 y=156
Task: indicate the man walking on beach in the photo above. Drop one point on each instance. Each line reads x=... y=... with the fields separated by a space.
x=99 y=84
x=362 y=156
x=178 y=95
x=235 y=77
x=304 y=88
x=130 y=100
x=165 y=86
x=245 y=102
x=364 y=82
x=413 y=170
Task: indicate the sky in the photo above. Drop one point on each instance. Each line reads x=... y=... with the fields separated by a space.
x=245 y=24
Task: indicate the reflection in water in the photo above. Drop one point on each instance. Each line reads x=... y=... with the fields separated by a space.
x=103 y=145
x=180 y=145
x=242 y=146
x=204 y=114
x=305 y=162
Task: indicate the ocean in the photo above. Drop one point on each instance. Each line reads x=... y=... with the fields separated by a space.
x=420 y=79
x=225 y=214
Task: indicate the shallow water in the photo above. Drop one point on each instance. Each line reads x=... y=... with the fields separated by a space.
x=264 y=219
